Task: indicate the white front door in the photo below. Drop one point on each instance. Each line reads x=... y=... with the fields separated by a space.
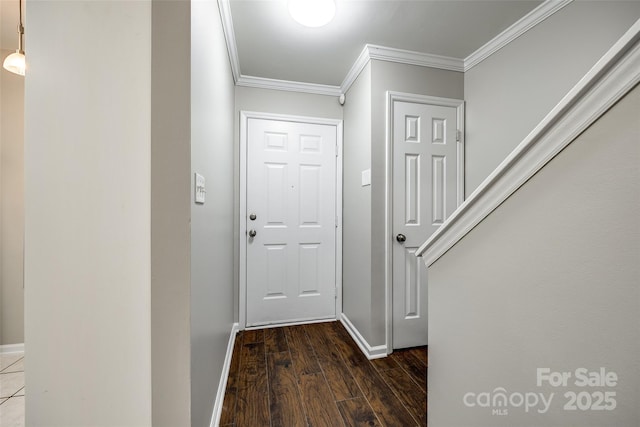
x=290 y=221
x=425 y=190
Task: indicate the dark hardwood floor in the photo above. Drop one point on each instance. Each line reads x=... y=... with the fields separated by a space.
x=315 y=375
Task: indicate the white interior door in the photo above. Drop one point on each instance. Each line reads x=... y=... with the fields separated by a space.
x=424 y=194
x=290 y=221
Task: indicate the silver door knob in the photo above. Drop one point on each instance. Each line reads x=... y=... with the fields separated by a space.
x=401 y=238
x=252 y=233
x=252 y=217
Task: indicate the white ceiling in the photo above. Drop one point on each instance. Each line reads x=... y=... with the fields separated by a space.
x=271 y=45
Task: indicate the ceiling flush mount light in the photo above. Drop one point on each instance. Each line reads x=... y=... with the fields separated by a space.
x=312 y=13
x=16 y=61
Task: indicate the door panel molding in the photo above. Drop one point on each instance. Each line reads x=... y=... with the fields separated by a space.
x=391 y=98
x=245 y=116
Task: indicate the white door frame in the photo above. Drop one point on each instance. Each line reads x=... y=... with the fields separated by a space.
x=393 y=97
x=242 y=276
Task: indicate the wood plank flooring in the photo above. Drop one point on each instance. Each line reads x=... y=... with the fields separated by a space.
x=315 y=375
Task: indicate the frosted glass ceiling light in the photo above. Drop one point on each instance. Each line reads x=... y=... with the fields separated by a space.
x=312 y=13
x=16 y=61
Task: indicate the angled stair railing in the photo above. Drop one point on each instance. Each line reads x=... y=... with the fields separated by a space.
x=612 y=77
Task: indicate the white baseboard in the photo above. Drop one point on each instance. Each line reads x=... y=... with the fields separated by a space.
x=369 y=351
x=217 y=406
x=12 y=348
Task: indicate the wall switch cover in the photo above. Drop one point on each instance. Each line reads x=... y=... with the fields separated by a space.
x=366 y=177
x=200 y=188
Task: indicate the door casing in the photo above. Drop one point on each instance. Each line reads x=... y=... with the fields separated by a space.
x=393 y=97
x=242 y=220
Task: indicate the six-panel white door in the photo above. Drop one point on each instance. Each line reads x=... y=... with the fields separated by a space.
x=291 y=221
x=424 y=195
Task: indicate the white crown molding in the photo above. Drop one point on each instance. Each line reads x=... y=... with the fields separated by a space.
x=356 y=69
x=614 y=75
x=230 y=37
x=399 y=56
x=264 y=83
x=261 y=82
x=415 y=58
x=382 y=53
x=530 y=20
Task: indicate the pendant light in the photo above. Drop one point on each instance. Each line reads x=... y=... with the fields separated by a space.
x=16 y=61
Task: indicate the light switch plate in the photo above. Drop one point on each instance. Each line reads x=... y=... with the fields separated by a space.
x=200 y=188
x=366 y=177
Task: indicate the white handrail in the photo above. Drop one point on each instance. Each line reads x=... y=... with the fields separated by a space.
x=615 y=74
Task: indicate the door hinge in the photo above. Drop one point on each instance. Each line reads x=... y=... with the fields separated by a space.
x=337 y=150
x=336 y=221
x=458 y=135
x=335 y=293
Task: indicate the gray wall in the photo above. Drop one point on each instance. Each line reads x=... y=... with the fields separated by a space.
x=510 y=92
x=369 y=287
x=283 y=102
x=170 y=213
x=212 y=232
x=11 y=206
x=548 y=280
x=356 y=230
x=87 y=214
x=129 y=284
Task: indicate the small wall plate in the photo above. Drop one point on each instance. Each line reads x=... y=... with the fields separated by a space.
x=200 y=189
